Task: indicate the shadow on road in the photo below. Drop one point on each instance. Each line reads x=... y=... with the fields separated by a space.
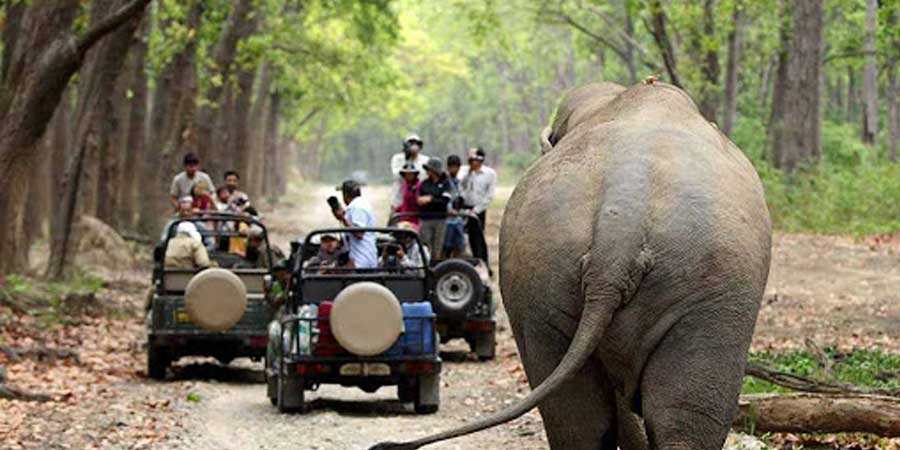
x=211 y=371
x=379 y=407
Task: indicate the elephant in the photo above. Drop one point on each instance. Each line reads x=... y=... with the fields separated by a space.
x=634 y=255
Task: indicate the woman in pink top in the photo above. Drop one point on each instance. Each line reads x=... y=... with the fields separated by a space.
x=410 y=193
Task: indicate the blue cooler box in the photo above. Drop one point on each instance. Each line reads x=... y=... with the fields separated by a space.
x=418 y=334
x=418 y=338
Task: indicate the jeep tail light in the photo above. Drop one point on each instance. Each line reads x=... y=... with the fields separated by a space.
x=413 y=368
x=304 y=369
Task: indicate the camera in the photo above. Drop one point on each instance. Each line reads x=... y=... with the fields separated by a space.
x=333 y=203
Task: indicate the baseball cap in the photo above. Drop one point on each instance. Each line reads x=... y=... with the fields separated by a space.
x=414 y=138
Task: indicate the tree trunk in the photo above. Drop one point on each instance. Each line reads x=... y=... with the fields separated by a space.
x=14 y=14
x=256 y=151
x=276 y=167
x=818 y=413
x=60 y=131
x=95 y=116
x=136 y=135
x=731 y=71
x=776 y=113
x=629 y=46
x=893 y=114
x=851 y=94
x=36 y=70
x=709 y=92
x=174 y=89
x=870 y=72
x=235 y=29
x=800 y=140
x=661 y=37
x=239 y=121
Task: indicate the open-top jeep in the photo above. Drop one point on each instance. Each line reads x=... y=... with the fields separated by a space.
x=222 y=311
x=463 y=299
x=356 y=327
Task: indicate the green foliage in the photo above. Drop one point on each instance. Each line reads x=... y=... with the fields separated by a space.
x=859 y=367
x=193 y=397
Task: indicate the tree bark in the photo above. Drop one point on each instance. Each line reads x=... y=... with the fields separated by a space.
x=223 y=56
x=817 y=413
x=174 y=90
x=731 y=70
x=661 y=37
x=870 y=72
x=37 y=70
x=800 y=124
x=15 y=11
x=257 y=153
x=94 y=105
x=893 y=114
x=708 y=59
x=136 y=131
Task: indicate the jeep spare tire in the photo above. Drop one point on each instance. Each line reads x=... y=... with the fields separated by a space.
x=457 y=286
x=366 y=318
x=215 y=299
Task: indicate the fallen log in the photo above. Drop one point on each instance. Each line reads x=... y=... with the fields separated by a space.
x=817 y=413
x=12 y=393
x=798 y=383
x=39 y=353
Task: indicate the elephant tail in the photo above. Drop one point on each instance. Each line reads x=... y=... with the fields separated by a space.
x=595 y=318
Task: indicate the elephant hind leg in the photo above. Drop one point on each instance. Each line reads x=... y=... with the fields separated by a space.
x=691 y=383
x=580 y=415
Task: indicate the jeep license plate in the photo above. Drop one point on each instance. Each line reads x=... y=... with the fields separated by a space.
x=181 y=316
x=365 y=369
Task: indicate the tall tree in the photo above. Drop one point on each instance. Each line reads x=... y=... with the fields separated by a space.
x=95 y=116
x=237 y=26
x=43 y=60
x=136 y=135
x=731 y=69
x=800 y=118
x=870 y=73
x=175 y=89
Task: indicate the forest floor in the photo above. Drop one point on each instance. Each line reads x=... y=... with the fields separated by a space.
x=836 y=290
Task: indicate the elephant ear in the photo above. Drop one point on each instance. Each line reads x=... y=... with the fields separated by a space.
x=546 y=144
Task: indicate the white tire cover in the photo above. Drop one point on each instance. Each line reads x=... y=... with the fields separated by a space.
x=215 y=299
x=366 y=318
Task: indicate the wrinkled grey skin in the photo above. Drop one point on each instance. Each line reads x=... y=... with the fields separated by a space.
x=634 y=255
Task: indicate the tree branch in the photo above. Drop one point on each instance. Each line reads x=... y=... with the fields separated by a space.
x=107 y=25
x=804 y=384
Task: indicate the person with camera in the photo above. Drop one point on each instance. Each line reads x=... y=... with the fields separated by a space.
x=434 y=198
x=405 y=253
x=411 y=154
x=478 y=187
x=358 y=213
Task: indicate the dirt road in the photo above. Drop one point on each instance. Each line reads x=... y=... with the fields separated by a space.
x=834 y=289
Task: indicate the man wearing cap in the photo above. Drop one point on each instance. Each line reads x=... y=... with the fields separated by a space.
x=184 y=182
x=478 y=188
x=410 y=194
x=186 y=250
x=257 y=251
x=434 y=198
x=358 y=213
x=412 y=147
x=327 y=257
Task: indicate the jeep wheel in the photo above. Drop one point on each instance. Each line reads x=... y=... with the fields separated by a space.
x=157 y=363
x=484 y=345
x=457 y=286
x=428 y=394
x=290 y=395
x=406 y=391
x=271 y=383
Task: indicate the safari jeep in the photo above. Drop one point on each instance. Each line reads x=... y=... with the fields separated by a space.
x=366 y=328
x=463 y=299
x=221 y=311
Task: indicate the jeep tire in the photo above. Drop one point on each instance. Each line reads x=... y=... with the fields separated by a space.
x=157 y=363
x=428 y=394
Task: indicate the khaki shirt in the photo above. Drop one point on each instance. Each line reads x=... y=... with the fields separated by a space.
x=184 y=252
x=182 y=184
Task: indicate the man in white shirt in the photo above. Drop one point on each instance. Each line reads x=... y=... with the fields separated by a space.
x=477 y=188
x=412 y=147
x=183 y=183
x=363 y=251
